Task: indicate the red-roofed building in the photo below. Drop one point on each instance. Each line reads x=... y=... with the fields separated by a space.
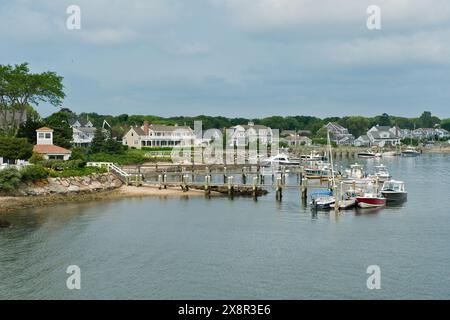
x=46 y=148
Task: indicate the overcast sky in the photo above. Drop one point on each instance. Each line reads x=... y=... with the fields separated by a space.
x=240 y=58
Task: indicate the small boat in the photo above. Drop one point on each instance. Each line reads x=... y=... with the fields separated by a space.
x=280 y=160
x=381 y=173
x=371 y=200
x=314 y=156
x=390 y=154
x=368 y=154
x=323 y=203
x=347 y=204
x=394 y=190
x=410 y=153
x=355 y=172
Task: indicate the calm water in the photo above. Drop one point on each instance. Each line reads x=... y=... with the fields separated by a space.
x=220 y=248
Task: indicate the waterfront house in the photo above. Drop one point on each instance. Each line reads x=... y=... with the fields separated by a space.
x=430 y=133
x=157 y=135
x=83 y=132
x=380 y=136
x=339 y=134
x=242 y=135
x=362 y=141
x=45 y=146
x=297 y=141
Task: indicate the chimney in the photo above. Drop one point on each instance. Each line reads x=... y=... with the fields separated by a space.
x=146 y=127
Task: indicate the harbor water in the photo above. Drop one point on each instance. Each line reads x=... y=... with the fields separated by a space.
x=221 y=248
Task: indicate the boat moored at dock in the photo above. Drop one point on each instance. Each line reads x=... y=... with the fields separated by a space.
x=394 y=191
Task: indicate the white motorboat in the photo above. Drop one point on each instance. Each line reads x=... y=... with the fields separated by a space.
x=381 y=173
x=368 y=154
x=280 y=160
x=410 y=153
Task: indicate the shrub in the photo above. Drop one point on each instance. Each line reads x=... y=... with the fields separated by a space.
x=63 y=165
x=130 y=157
x=33 y=173
x=9 y=179
x=36 y=157
x=79 y=154
x=76 y=172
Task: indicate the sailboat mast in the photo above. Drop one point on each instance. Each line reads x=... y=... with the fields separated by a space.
x=331 y=158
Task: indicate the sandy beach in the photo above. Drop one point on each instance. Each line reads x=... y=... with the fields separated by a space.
x=8 y=204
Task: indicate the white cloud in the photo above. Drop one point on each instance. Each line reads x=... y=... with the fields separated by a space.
x=421 y=47
x=108 y=36
x=264 y=14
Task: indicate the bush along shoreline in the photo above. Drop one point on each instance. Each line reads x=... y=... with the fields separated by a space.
x=45 y=172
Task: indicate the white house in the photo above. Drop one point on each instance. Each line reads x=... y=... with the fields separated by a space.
x=157 y=135
x=46 y=148
x=297 y=141
x=242 y=135
x=83 y=132
x=380 y=136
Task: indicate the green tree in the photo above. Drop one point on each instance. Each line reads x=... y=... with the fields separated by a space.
x=426 y=120
x=62 y=133
x=28 y=129
x=356 y=125
x=98 y=142
x=20 y=89
x=13 y=149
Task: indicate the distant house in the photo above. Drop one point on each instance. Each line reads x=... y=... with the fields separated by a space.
x=339 y=134
x=362 y=141
x=380 y=136
x=242 y=135
x=83 y=132
x=45 y=146
x=157 y=135
x=442 y=133
x=428 y=133
x=297 y=141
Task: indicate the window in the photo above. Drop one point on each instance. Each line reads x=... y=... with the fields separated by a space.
x=48 y=136
x=41 y=135
x=56 y=157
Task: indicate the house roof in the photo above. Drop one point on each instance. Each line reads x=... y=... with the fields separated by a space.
x=44 y=129
x=82 y=122
x=161 y=127
x=50 y=148
x=364 y=137
x=86 y=129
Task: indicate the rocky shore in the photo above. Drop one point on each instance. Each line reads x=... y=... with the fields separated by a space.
x=75 y=189
x=87 y=184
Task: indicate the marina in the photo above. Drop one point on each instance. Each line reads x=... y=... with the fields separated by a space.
x=228 y=248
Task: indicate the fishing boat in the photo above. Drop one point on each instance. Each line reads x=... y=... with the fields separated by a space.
x=410 y=152
x=317 y=169
x=368 y=154
x=371 y=200
x=280 y=160
x=354 y=172
x=381 y=173
x=314 y=156
x=394 y=190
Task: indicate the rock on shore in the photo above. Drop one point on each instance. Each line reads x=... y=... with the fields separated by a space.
x=91 y=183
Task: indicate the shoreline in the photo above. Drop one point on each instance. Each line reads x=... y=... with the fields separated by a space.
x=10 y=204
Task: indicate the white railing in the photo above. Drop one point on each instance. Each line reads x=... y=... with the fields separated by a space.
x=110 y=167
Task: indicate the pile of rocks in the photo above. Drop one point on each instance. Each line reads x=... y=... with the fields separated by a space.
x=91 y=183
